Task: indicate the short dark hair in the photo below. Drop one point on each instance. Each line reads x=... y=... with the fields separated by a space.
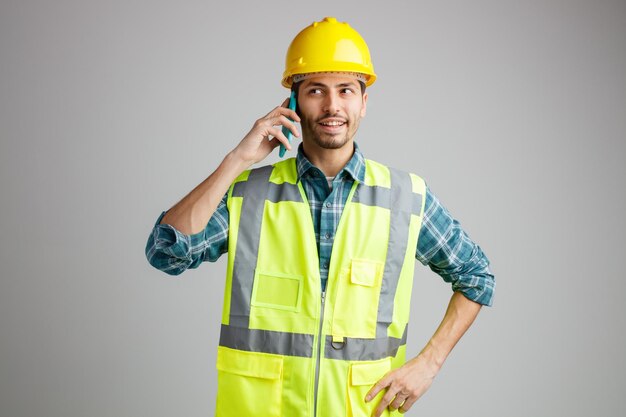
x=296 y=87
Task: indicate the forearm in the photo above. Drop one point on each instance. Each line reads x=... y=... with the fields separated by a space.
x=191 y=214
x=459 y=317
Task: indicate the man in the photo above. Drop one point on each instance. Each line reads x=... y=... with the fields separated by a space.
x=305 y=333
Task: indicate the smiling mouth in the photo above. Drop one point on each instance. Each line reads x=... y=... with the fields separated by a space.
x=333 y=123
x=332 y=126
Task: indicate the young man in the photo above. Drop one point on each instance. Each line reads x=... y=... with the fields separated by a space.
x=321 y=252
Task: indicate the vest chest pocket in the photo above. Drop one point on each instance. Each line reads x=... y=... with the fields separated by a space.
x=358 y=293
x=277 y=291
x=361 y=378
x=249 y=384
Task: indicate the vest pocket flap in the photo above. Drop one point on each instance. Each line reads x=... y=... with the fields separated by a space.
x=368 y=373
x=365 y=272
x=252 y=364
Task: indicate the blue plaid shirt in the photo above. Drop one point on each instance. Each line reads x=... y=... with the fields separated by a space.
x=442 y=244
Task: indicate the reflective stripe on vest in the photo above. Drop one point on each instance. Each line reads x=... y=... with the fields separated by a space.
x=401 y=204
x=267 y=341
x=256 y=189
x=295 y=344
x=355 y=349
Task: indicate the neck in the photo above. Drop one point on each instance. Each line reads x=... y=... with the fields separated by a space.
x=329 y=161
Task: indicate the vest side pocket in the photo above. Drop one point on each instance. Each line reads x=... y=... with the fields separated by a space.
x=362 y=376
x=248 y=384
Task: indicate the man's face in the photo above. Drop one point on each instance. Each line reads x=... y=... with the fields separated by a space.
x=331 y=107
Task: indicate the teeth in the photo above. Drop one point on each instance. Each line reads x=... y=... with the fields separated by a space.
x=333 y=123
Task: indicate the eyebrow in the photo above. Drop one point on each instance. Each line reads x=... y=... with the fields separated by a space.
x=340 y=85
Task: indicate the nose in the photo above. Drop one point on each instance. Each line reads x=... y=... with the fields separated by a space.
x=331 y=103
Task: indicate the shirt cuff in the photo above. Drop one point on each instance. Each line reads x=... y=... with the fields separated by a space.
x=478 y=288
x=172 y=242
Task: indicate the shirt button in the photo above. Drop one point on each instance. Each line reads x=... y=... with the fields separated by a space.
x=325 y=266
x=327 y=235
x=327 y=204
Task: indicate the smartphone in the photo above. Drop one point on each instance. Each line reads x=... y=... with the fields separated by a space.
x=286 y=131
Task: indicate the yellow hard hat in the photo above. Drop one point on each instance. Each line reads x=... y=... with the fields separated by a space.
x=328 y=46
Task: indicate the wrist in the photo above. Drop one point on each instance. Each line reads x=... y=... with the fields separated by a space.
x=431 y=355
x=235 y=162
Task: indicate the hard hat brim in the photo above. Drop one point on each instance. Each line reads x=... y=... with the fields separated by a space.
x=287 y=80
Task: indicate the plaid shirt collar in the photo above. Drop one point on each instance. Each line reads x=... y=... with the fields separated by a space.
x=354 y=168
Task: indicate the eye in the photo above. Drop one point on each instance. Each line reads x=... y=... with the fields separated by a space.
x=315 y=91
x=347 y=90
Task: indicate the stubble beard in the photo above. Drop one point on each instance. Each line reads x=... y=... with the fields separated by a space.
x=324 y=140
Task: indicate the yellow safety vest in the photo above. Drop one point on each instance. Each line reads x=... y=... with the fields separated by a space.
x=285 y=348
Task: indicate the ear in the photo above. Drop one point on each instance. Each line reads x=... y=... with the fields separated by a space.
x=364 y=108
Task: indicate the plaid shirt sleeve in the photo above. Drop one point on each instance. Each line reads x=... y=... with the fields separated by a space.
x=445 y=247
x=173 y=252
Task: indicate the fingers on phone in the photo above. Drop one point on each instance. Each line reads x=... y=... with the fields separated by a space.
x=278 y=134
x=289 y=125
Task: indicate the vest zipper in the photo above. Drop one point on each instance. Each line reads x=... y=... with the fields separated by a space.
x=319 y=356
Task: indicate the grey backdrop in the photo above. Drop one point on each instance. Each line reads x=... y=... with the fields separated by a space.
x=111 y=111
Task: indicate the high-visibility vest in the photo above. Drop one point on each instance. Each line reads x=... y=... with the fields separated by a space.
x=285 y=348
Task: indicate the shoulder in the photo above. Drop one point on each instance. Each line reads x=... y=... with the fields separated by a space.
x=377 y=173
x=279 y=172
